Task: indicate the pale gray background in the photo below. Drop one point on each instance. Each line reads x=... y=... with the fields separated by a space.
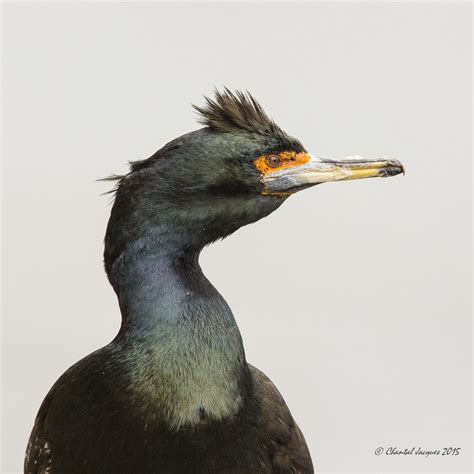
x=353 y=297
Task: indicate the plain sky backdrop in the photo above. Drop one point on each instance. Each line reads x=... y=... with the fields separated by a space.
x=354 y=298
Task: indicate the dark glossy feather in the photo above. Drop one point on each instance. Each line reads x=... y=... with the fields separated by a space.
x=87 y=424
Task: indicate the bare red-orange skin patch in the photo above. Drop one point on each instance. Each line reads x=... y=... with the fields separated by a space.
x=289 y=159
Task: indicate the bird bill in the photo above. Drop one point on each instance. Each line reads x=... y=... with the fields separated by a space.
x=320 y=170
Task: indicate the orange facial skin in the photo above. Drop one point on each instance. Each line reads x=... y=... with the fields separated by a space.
x=289 y=159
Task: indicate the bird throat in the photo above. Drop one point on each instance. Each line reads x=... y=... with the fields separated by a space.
x=185 y=360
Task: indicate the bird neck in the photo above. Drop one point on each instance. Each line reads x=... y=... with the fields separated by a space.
x=179 y=333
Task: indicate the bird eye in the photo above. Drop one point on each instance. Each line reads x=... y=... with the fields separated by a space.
x=274 y=161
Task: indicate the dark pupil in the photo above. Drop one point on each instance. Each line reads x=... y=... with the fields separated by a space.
x=274 y=161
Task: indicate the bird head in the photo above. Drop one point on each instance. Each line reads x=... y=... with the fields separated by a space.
x=206 y=184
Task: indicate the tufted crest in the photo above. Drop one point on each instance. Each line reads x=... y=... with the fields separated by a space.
x=229 y=111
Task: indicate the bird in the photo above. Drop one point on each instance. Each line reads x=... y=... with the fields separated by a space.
x=173 y=392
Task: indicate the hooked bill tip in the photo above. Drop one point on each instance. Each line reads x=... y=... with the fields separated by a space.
x=394 y=167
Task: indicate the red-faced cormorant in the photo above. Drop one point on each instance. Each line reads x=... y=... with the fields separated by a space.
x=173 y=392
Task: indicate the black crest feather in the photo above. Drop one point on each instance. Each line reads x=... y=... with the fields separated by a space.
x=229 y=110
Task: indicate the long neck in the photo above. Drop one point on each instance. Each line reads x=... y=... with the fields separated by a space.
x=180 y=334
x=159 y=288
